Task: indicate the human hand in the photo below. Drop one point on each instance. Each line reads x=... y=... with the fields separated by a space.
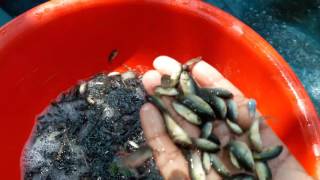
x=170 y=160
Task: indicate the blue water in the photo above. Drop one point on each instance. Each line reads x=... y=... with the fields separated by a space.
x=292 y=27
x=4 y=17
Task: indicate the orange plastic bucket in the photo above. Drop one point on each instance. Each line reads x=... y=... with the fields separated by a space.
x=48 y=49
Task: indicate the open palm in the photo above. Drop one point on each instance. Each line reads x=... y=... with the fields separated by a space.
x=169 y=158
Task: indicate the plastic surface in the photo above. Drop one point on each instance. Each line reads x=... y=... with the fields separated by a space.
x=50 y=48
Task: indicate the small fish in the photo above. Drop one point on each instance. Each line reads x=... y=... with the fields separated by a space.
x=268 y=154
x=156 y=100
x=128 y=75
x=187 y=84
x=166 y=81
x=242 y=153
x=175 y=76
x=218 y=165
x=219 y=106
x=197 y=105
x=220 y=92
x=235 y=128
x=217 y=103
x=195 y=85
x=232 y=110
x=91 y=100
x=234 y=161
x=205 y=145
x=206 y=161
x=241 y=176
x=82 y=88
x=133 y=144
x=195 y=166
x=212 y=137
x=166 y=91
x=114 y=74
x=186 y=113
x=252 y=108
x=263 y=171
x=206 y=130
x=114 y=53
x=138 y=157
x=177 y=134
x=188 y=65
x=254 y=136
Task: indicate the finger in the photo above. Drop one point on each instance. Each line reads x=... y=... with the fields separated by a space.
x=166 y=65
x=285 y=161
x=150 y=80
x=209 y=77
x=288 y=171
x=169 y=158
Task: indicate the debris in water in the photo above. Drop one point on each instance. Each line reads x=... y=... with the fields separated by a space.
x=87 y=130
